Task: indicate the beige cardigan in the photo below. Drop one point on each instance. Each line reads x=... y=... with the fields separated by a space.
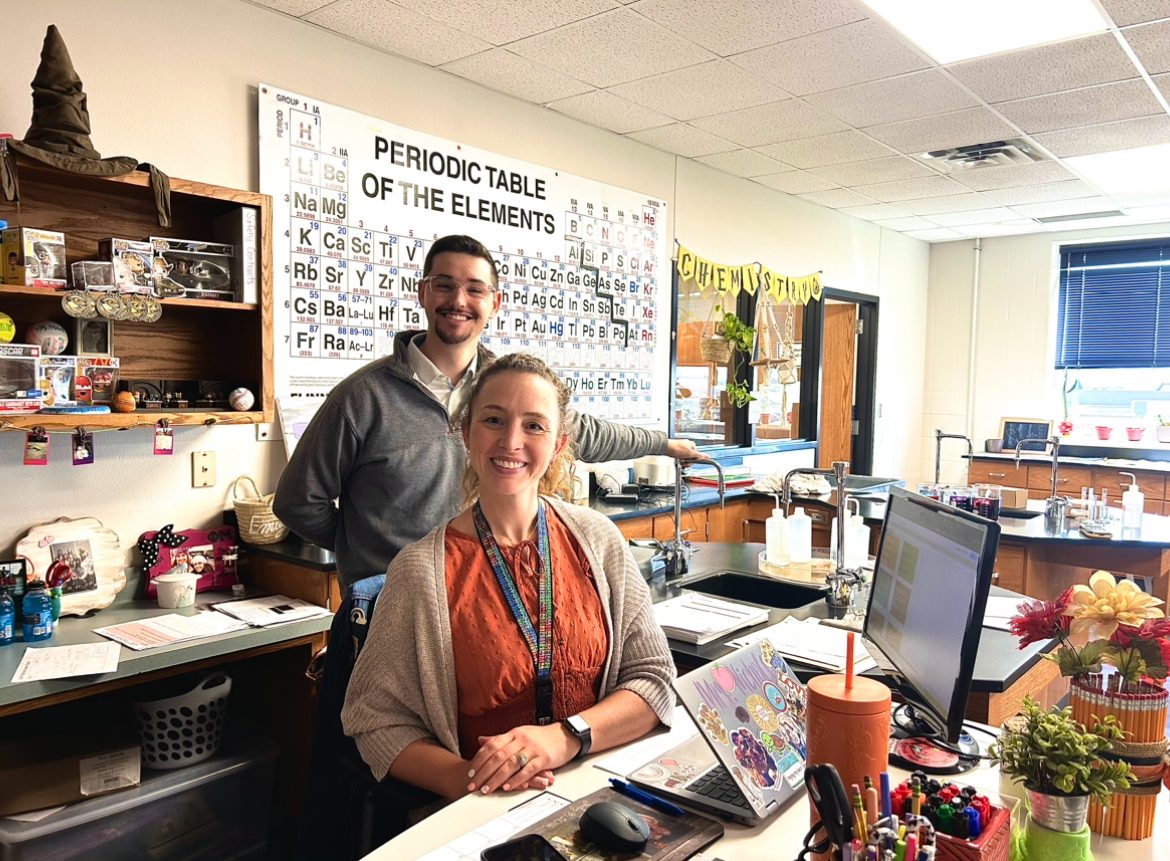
x=403 y=685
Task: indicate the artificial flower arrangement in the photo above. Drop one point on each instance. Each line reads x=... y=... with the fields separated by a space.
x=1116 y=623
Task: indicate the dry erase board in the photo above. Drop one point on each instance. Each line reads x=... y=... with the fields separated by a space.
x=356 y=203
x=1014 y=430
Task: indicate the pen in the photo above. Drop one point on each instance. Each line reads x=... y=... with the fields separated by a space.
x=646 y=798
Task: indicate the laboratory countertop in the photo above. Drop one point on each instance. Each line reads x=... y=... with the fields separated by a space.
x=998 y=665
x=1072 y=455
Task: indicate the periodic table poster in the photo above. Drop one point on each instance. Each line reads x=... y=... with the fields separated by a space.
x=357 y=202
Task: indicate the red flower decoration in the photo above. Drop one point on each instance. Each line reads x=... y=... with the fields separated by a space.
x=1039 y=621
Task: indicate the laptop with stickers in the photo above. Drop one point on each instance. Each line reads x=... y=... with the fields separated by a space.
x=747 y=759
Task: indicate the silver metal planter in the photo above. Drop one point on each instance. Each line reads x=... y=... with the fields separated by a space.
x=1066 y=813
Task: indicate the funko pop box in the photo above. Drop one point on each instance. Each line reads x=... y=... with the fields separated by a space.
x=33 y=258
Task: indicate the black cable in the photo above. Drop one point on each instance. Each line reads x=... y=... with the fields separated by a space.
x=818 y=848
x=933 y=738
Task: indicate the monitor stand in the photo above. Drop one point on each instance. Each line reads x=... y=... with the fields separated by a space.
x=912 y=746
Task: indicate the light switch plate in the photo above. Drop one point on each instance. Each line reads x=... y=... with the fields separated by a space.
x=202 y=468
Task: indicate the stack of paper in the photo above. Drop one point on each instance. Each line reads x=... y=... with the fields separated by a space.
x=809 y=642
x=1001 y=609
x=168 y=629
x=699 y=619
x=271 y=610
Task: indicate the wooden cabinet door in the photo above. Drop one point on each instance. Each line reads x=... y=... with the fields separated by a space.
x=1069 y=479
x=636 y=527
x=731 y=524
x=1152 y=484
x=998 y=472
x=694 y=525
x=1010 y=568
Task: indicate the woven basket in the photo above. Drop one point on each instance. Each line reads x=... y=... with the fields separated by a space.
x=713 y=346
x=258 y=525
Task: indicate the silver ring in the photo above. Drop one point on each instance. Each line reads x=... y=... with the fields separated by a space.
x=521 y=760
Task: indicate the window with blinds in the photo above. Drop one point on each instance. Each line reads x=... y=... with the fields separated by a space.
x=1114 y=305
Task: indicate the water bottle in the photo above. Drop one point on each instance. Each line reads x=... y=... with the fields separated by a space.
x=37 y=609
x=7 y=618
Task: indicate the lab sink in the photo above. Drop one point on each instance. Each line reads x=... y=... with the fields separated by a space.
x=758 y=590
x=1019 y=513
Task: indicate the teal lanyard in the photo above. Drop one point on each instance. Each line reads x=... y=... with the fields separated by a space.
x=540 y=642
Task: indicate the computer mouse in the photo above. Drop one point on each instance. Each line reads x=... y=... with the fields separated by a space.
x=615 y=827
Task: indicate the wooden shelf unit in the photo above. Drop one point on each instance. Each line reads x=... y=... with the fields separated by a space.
x=196 y=339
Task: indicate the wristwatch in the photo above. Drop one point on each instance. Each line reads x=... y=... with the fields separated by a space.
x=579 y=729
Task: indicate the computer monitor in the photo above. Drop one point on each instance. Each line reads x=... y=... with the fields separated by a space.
x=925 y=614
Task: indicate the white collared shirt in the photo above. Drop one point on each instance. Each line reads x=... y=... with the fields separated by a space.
x=439 y=385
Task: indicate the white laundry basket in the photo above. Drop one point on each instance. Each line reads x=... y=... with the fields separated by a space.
x=182 y=730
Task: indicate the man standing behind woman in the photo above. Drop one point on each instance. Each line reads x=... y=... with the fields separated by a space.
x=520 y=635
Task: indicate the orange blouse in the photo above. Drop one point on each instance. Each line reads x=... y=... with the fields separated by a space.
x=495 y=678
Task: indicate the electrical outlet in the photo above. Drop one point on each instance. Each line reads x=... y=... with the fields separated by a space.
x=202 y=468
x=268 y=432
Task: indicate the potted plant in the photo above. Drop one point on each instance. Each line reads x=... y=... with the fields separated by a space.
x=740 y=338
x=1060 y=763
x=1163 y=429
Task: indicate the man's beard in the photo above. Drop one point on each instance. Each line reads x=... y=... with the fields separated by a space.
x=449 y=338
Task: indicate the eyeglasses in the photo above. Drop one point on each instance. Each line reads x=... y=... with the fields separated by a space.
x=446 y=287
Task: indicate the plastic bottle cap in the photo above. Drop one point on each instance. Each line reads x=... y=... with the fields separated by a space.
x=799 y=510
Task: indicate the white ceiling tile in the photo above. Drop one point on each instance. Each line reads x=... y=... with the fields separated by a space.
x=836 y=148
x=611 y=48
x=911 y=189
x=1125 y=12
x=1065 y=207
x=767 y=124
x=731 y=28
x=518 y=76
x=1151 y=43
x=1011 y=175
x=1163 y=84
x=875 y=212
x=1046 y=69
x=794 y=182
x=936 y=234
x=502 y=21
x=399 y=31
x=1141 y=198
x=852 y=54
x=744 y=162
x=905 y=97
x=604 y=109
x=976 y=125
x=294 y=7
x=875 y=171
x=950 y=203
x=699 y=91
x=1104 y=103
x=974 y=216
x=1108 y=137
x=982 y=231
x=838 y=198
x=909 y=222
x=1148 y=214
x=1066 y=190
x=682 y=139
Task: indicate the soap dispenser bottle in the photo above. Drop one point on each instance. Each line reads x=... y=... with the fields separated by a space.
x=800 y=537
x=1133 y=503
x=776 y=535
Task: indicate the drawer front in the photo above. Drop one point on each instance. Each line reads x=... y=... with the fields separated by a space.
x=997 y=472
x=1009 y=568
x=1152 y=484
x=636 y=527
x=1069 y=479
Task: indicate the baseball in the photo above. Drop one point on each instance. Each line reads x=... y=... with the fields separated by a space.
x=241 y=399
x=124 y=402
x=50 y=336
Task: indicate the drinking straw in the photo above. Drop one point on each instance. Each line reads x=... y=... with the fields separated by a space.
x=849 y=661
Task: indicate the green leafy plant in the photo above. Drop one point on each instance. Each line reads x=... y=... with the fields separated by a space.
x=741 y=337
x=1052 y=753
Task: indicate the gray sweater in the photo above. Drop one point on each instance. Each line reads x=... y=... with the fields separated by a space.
x=403 y=685
x=384 y=448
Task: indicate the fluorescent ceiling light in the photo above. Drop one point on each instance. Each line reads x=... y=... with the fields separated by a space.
x=990 y=26
x=1143 y=169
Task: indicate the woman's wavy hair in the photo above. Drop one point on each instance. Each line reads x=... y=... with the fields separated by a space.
x=558 y=478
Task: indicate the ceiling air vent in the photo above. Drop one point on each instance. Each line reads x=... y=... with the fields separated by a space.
x=1080 y=216
x=983 y=155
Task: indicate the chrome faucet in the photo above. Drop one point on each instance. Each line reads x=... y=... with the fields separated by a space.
x=939 y=436
x=1054 y=506
x=842 y=581
x=677 y=551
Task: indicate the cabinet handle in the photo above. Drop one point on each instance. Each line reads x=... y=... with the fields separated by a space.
x=997 y=475
x=1062 y=481
x=994 y=576
x=744 y=530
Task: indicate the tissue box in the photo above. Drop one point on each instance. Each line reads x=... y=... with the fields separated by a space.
x=1014 y=497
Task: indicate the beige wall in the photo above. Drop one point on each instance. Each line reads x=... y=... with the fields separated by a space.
x=1014 y=337
x=174 y=83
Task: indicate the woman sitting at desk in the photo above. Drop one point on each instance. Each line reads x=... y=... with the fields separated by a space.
x=508 y=640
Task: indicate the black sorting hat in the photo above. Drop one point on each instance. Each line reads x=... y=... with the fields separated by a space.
x=59 y=134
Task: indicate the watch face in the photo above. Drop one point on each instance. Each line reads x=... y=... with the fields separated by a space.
x=577 y=724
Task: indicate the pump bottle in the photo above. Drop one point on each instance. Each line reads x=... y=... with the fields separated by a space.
x=776 y=535
x=1133 y=503
x=800 y=537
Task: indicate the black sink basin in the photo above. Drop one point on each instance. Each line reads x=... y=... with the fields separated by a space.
x=757 y=590
x=1019 y=513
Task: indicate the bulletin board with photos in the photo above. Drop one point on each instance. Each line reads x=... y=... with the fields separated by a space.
x=357 y=202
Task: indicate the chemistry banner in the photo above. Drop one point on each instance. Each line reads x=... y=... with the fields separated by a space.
x=731 y=278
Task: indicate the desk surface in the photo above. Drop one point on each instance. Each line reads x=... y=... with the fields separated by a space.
x=778 y=839
x=72 y=631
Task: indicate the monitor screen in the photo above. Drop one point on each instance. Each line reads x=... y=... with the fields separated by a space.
x=926 y=603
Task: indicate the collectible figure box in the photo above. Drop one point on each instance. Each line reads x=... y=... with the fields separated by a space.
x=188 y=267
x=19 y=375
x=33 y=258
x=97 y=379
x=93 y=274
x=57 y=376
x=131 y=260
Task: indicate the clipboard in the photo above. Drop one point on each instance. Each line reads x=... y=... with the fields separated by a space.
x=672 y=838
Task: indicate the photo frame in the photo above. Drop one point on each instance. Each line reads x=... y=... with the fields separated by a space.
x=1012 y=430
x=92 y=551
x=13 y=577
x=92 y=337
